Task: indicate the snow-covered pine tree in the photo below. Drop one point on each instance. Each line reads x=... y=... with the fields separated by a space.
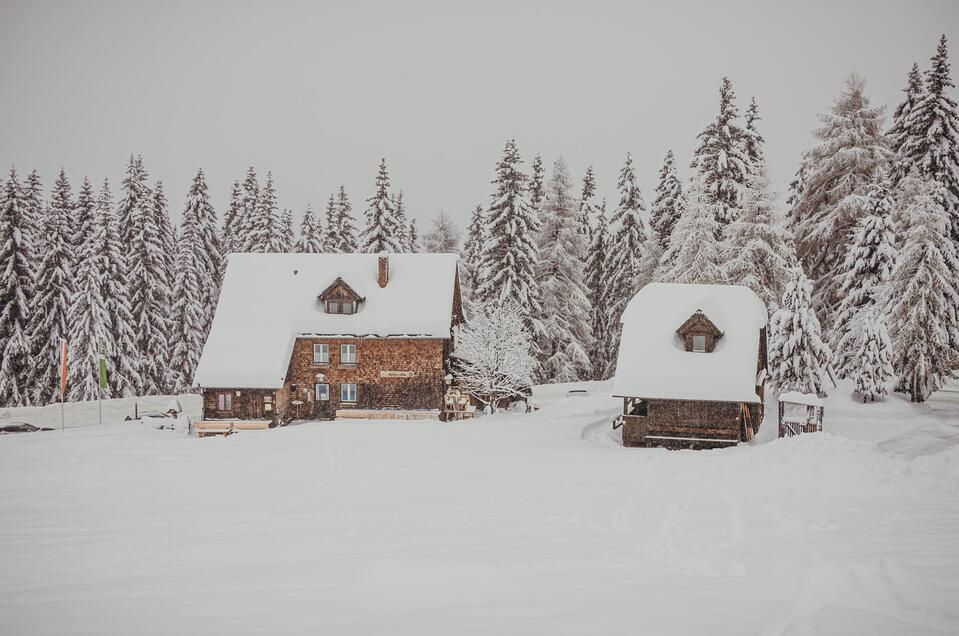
x=669 y=203
x=402 y=224
x=85 y=214
x=53 y=288
x=627 y=251
x=346 y=230
x=135 y=195
x=862 y=278
x=794 y=196
x=87 y=318
x=413 y=236
x=287 y=234
x=721 y=158
x=753 y=139
x=165 y=232
x=249 y=213
x=330 y=234
x=443 y=237
x=123 y=356
x=798 y=357
x=381 y=233
x=758 y=254
x=899 y=133
x=33 y=215
x=537 y=177
x=852 y=153
x=586 y=208
x=567 y=340
x=186 y=339
x=310 y=241
x=932 y=142
x=16 y=284
x=266 y=226
x=507 y=266
x=472 y=252
x=923 y=293
x=149 y=288
x=597 y=289
x=694 y=254
x=209 y=252
x=231 y=239
x=873 y=354
x=497 y=359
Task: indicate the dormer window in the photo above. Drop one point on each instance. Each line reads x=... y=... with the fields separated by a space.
x=699 y=334
x=340 y=298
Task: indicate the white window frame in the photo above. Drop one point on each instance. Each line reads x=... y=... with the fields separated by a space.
x=325 y=397
x=345 y=393
x=224 y=401
x=333 y=307
x=347 y=307
x=699 y=339
x=324 y=350
x=348 y=354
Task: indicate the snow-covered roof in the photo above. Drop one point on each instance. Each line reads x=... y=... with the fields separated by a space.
x=267 y=300
x=795 y=397
x=653 y=362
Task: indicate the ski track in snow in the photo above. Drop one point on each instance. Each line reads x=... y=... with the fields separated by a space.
x=513 y=523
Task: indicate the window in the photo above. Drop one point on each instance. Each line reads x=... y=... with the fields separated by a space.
x=347 y=393
x=332 y=307
x=699 y=344
x=321 y=353
x=348 y=308
x=224 y=402
x=348 y=354
x=322 y=392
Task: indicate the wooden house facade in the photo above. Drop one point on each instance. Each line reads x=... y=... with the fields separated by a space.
x=691 y=366
x=342 y=332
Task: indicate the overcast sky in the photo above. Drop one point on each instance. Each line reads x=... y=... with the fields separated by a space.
x=317 y=93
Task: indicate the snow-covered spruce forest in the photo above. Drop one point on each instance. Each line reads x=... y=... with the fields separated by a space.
x=857 y=262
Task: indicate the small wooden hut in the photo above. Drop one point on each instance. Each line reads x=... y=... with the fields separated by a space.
x=799 y=413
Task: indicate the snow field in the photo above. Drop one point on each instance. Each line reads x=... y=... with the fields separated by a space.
x=505 y=524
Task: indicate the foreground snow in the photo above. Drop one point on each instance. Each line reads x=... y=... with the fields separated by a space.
x=501 y=525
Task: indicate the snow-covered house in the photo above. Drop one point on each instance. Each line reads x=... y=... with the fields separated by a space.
x=313 y=334
x=691 y=364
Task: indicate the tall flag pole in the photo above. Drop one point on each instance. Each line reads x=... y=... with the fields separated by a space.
x=63 y=377
x=102 y=372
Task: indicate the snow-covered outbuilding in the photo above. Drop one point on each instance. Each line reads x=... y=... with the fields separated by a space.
x=313 y=334
x=691 y=364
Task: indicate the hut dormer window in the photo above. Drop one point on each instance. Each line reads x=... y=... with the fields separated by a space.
x=699 y=334
x=339 y=298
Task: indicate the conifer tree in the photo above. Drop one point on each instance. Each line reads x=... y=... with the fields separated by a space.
x=86 y=211
x=33 y=215
x=536 y=189
x=924 y=293
x=669 y=203
x=123 y=357
x=753 y=139
x=872 y=353
x=507 y=266
x=382 y=234
x=249 y=211
x=798 y=357
x=231 y=240
x=932 y=142
x=16 y=278
x=627 y=248
x=186 y=341
x=402 y=224
x=266 y=225
x=135 y=198
x=472 y=252
x=862 y=278
x=166 y=234
x=331 y=228
x=694 y=253
x=443 y=237
x=287 y=235
x=597 y=287
x=346 y=230
x=721 y=158
x=586 y=208
x=899 y=134
x=567 y=338
x=310 y=240
x=414 y=237
x=852 y=154
x=758 y=255
x=209 y=252
x=53 y=290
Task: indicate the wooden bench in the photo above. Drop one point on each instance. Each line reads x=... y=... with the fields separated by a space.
x=228 y=427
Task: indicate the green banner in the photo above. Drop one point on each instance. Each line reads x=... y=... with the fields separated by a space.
x=102 y=365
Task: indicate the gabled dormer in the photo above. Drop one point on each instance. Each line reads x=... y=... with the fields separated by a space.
x=699 y=334
x=340 y=298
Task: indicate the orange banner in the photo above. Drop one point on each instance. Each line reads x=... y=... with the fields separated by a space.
x=63 y=367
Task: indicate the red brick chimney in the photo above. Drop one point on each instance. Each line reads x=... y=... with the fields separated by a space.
x=383 y=271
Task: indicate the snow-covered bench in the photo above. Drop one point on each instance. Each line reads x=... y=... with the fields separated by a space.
x=228 y=427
